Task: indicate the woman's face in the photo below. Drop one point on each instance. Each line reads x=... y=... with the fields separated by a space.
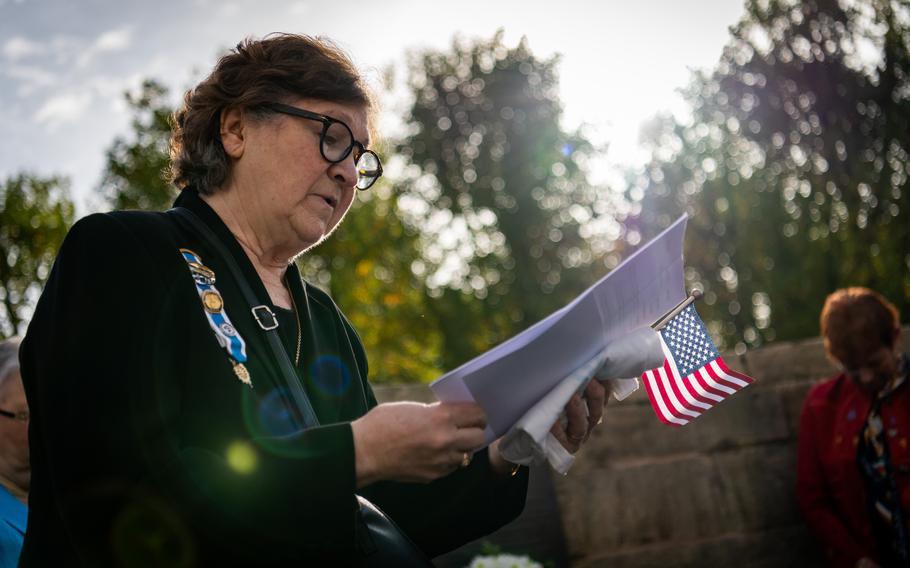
x=14 y=455
x=875 y=370
x=296 y=195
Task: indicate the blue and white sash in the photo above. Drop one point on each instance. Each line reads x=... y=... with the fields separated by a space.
x=213 y=306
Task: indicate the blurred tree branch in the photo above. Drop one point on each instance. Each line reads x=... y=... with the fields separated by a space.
x=35 y=214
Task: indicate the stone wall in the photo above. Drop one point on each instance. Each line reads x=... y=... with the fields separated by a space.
x=717 y=492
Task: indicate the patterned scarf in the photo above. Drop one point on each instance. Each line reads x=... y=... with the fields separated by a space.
x=883 y=499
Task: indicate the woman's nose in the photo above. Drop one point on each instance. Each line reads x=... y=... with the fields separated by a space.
x=345 y=172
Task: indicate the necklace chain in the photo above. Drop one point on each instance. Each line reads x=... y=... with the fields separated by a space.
x=299 y=327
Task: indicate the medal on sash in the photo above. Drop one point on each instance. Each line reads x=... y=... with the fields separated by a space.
x=213 y=306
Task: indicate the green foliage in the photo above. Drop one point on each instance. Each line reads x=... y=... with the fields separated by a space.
x=134 y=176
x=794 y=169
x=498 y=191
x=35 y=214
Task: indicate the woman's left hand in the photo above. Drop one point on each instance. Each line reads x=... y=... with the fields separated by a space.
x=577 y=427
x=578 y=424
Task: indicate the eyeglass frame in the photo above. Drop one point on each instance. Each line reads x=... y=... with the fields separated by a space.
x=327 y=122
x=23 y=416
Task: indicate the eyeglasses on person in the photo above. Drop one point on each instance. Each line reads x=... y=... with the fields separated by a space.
x=22 y=416
x=336 y=142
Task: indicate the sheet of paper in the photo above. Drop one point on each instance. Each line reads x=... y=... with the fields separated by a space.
x=510 y=378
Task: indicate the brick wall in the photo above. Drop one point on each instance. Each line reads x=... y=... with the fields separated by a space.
x=718 y=492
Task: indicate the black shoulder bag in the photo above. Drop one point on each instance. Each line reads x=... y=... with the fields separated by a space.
x=380 y=541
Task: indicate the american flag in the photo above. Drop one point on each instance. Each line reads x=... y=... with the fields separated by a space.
x=694 y=377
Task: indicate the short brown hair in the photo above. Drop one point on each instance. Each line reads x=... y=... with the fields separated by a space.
x=855 y=322
x=276 y=68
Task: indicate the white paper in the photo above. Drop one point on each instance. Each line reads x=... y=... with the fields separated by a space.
x=529 y=440
x=509 y=379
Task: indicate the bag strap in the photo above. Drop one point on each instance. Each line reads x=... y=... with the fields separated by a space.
x=289 y=374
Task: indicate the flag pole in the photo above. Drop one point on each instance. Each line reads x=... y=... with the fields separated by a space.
x=659 y=324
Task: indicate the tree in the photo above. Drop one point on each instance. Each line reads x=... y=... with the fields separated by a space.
x=498 y=191
x=794 y=167
x=134 y=175
x=35 y=214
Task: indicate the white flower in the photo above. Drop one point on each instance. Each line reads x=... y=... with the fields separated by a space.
x=504 y=561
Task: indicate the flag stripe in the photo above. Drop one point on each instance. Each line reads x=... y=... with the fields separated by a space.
x=652 y=397
x=670 y=416
x=657 y=402
x=667 y=378
x=737 y=386
x=705 y=390
x=677 y=382
x=665 y=394
x=692 y=387
x=680 y=388
x=717 y=381
x=727 y=370
x=720 y=373
x=712 y=386
x=730 y=379
x=665 y=403
x=712 y=383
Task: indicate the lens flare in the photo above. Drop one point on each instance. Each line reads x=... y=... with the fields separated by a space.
x=148 y=533
x=273 y=417
x=330 y=375
x=241 y=456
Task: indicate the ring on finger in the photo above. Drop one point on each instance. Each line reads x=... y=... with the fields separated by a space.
x=465 y=459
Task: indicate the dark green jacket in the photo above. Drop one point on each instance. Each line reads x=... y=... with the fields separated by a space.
x=147 y=450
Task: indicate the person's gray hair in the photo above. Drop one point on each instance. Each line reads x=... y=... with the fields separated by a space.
x=9 y=358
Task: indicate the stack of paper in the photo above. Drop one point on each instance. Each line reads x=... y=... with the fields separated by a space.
x=510 y=379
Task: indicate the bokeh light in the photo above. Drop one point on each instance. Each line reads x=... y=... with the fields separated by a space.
x=242 y=458
x=147 y=533
x=330 y=375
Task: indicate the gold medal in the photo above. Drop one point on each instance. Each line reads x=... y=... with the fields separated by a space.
x=243 y=374
x=212 y=301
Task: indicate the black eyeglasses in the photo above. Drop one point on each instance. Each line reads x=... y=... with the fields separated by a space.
x=336 y=142
x=17 y=416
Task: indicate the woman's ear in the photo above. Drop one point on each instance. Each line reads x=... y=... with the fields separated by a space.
x=232 y=131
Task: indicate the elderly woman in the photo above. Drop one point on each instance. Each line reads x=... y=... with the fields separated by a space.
x=853 y=469
x=14 y=466
x=195 y=402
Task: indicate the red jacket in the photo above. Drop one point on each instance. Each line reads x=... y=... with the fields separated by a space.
x=829 y=485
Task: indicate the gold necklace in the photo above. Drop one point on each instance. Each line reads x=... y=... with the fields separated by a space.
x=296 y=317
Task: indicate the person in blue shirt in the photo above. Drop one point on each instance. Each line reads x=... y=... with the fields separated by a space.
x=15 y=472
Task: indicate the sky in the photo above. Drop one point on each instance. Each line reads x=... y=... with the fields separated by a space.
x=65 y=64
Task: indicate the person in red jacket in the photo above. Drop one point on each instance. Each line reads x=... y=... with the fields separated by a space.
x=853 y=463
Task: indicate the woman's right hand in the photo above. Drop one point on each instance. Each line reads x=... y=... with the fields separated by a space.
x=411 y=441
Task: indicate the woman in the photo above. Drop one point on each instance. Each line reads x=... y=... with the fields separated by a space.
x=164 y=427
x=853 y=469
x=14 y=466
